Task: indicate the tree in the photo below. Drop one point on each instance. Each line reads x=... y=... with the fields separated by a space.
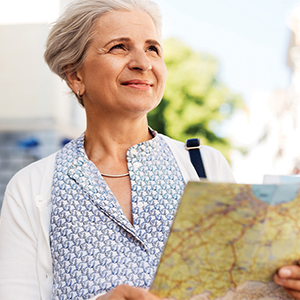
x=195 y=103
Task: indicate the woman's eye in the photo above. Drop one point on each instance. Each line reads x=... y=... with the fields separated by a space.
x=119 y=46
x=153 y=48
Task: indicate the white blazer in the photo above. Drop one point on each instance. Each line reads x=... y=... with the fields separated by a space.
x=25 y=256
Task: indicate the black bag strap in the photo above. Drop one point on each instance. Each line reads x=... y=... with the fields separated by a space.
x=193 y=146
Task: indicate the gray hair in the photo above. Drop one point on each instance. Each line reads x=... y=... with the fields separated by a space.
x=72 y=33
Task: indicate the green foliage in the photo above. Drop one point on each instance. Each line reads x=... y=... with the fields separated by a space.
x=195 y=102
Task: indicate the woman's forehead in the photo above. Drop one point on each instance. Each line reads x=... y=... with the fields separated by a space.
x=129 y=24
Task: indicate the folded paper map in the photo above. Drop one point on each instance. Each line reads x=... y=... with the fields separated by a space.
x=228 y=240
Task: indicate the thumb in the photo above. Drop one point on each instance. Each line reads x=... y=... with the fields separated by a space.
x=284 y=272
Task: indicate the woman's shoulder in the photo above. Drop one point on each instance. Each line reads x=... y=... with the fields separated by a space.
x=180 y=146
x=216 y=166
x=36 y=176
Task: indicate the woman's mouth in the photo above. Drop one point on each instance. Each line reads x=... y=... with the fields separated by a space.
x=138 y=84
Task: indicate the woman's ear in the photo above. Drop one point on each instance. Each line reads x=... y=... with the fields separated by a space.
x=74 y=79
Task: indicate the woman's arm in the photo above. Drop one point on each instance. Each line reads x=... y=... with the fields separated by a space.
x=25 y=261
x=18 y=254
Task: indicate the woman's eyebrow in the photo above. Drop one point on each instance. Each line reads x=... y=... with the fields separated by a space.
x=121 y=39
x=127 y=39
x=153 y=42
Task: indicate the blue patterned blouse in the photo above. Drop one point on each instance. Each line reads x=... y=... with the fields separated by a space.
x=93 y=245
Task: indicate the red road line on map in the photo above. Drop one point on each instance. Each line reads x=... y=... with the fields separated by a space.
x=232 y=266
x=254 y=221
x=222 y=213
x=188 y=237
x=287 y=216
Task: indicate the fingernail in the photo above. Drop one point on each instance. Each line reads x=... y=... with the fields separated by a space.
x=285 y=273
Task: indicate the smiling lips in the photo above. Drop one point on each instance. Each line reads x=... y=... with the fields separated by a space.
x=138 y=84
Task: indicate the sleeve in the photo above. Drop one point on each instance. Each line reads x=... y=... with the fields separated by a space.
x=18 y=253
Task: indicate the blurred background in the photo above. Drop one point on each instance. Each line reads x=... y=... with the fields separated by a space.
x=233 y=81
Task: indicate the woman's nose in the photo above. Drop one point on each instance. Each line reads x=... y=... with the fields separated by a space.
x=140 y=61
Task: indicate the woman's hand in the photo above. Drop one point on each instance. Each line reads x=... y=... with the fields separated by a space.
x=289 y=278
x=126 y=292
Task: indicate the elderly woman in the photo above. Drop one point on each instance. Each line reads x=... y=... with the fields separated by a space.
x=91 y=220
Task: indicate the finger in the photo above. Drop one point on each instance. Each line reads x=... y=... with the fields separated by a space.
x=135 y=293
x=125 y=292
x=140 y=293
x=121 y=292
x=291 y=272
x=293 y=293
x=291 y=284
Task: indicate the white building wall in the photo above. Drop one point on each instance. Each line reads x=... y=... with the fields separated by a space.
x=38 y=114
x=32 y=97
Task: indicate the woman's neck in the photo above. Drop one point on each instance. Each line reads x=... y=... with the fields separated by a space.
x=112 y=140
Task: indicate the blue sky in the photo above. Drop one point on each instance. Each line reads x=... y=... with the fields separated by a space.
x=250 y=38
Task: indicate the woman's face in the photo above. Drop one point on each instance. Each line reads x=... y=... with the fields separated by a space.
x=124 y=72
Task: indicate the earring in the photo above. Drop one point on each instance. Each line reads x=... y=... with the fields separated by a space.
x=80 y=97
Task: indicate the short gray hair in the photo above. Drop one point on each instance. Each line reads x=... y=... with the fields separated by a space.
x=72 y=33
